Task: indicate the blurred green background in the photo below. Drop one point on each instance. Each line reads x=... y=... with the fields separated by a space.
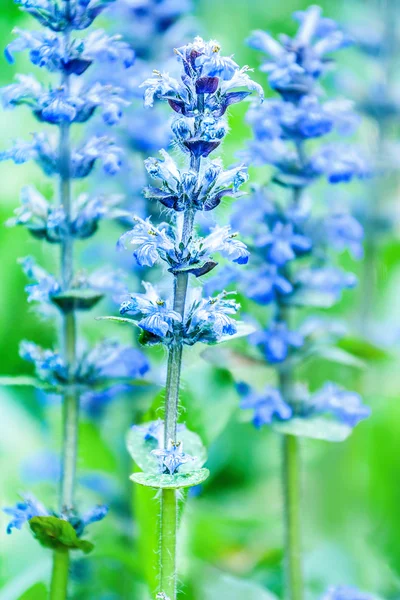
x=231 y=536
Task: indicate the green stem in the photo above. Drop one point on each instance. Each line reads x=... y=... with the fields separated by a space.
x=291 y=478
x=169 y=520
x=291 y=460
x=59 y=578
x=70 y=420
x=59 y=581
x=169 y=501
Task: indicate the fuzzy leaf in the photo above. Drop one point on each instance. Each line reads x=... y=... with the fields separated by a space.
x=25 y=380
x=77 y=300
x=56 y=533
x=318 y=428
x=199 y=269
x=174 y=482
x=119 y=320
x=140 y=449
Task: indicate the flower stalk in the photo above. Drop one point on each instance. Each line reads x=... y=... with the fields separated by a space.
x=168 y=543
x=60 y=574
x=73 y=100
x=293 y=246
x=200 y=98
x=292 y=517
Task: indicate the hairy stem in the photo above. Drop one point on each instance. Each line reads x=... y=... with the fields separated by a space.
x=169 y=501
x=59 y=578
x=169 y=520
x=293 y=558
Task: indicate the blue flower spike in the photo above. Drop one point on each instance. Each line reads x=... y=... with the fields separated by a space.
x=72 y=98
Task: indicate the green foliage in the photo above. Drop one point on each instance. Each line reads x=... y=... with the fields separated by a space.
x=171 y=482
x=57 y=534
x=37 y=592
x=317 y=428
x=77 y=300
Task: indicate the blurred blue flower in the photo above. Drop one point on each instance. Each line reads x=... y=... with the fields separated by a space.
x=267 y=284
x=344 y=405
x=49 y=365
x=283 y=243
x=338 y=163
x=345 y=232
x=295 y=63
x=326 y=281
x=343 y=592
x=267 y=404
x=276 y=341
x=23 y=511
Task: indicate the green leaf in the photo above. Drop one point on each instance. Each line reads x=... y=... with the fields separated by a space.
x=198 y=269
x=209 y=398
x=362 y=349
x=119 y=320
x=140 y=449
x=318 y=428
x=305 y=297
x=337 y=355
x=55 y=533
x=175 y=482
x=25 y=380
x=80 y=299
x=37 y=592
x=94 y=453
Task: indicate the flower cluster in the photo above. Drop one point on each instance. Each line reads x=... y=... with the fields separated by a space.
x=208 y=85
x=70 y=97
x=30 y=507
x=207 y=320
x=291 y=243
x=280 y=127
x=96 y=368
x=269 y=405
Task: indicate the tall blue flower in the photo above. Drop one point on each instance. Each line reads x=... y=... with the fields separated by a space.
x=292 y=244
x=199 y=97
x=64 y=49
x=300 y=135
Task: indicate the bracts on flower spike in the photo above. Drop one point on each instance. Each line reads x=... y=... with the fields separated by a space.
x=208 y=85
x=70 y=99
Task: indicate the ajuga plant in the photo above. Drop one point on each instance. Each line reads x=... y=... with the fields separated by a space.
x=171 y=457
x=67 y=99
x=293 y=236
